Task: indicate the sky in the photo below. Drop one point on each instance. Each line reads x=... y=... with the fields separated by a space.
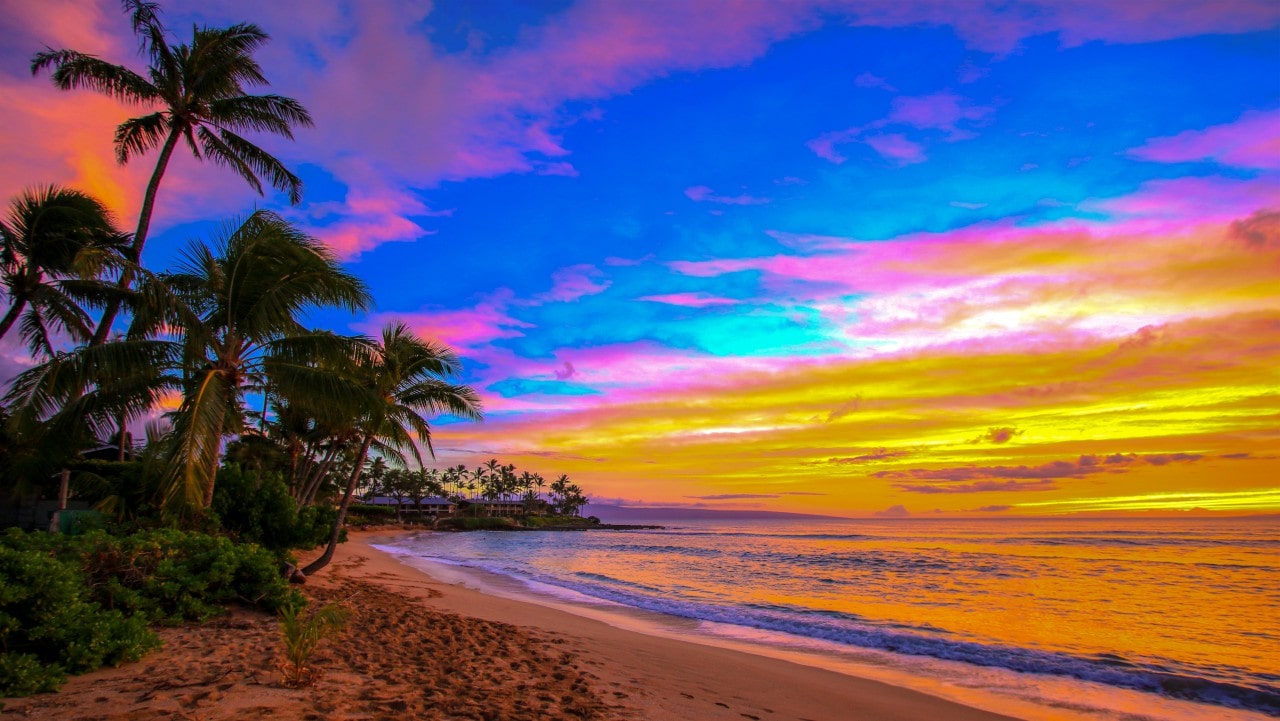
x=861 y=257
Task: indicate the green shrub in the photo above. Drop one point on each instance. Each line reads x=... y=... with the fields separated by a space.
x=302 y=634
x=256 y=507
x=482 y=523
x=50 y=626
x=69 y=604
x=361 y=513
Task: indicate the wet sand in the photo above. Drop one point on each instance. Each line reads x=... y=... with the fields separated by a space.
x=416 y=647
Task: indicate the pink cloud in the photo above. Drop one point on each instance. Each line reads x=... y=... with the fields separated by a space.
x=562 y=169
x=704 y=194
x=1179 y=200
x=1252 y=141
x=690 y=300
x=574 y=282
x=481 y=114
x=824 y=146
x=1000 y=285
x=939 y=111
x=871 y=80
x=371 y=216
x=464 y=330
x=1076 y=21
x=896 y=147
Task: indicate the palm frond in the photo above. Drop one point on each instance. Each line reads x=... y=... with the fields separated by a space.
x=136 y=136
x=73 y=70
x=269 y=113
x=221 y=153
x=263 y=163
x=198 y=430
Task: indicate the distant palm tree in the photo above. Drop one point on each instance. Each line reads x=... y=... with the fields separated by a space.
x=200 y=92
x=241 y=302
x=406 y=378
x=51 y=238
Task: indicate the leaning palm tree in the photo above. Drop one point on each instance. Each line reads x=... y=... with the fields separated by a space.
x=53 y=240
x=237 y=315
x=199 y=94
x=407 y=378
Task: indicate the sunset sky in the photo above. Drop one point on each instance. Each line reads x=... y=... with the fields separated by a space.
x=855 y=257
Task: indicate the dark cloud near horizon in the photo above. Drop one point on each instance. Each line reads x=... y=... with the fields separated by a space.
x=1260 y=230
x=735 y=496
x=898 y=511
x=984 y=479
x=998 y=435
x=992 y=509
x=851 y=406
x=1043 y=484
x=879 y=454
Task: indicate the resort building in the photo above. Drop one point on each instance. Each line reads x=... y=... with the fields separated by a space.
x=435 y=507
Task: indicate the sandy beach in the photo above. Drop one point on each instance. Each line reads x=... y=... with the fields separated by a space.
x=416 y=647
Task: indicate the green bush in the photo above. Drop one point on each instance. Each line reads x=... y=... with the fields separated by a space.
x=256 y=507
x=50 y=625
x=169 y=575
x=482 y=523
x=69 y=604
x=361 y=513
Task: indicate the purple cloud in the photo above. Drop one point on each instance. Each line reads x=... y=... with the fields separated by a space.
x=704 y=194
x=1260 y=230
x=870 y=80
x=1253 y=141
x=880 y=454
x=1044 y=484
x=997 y=435
x=898 y=511
x=896 y=147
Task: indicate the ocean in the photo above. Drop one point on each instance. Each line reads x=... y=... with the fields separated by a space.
x=1043 y=619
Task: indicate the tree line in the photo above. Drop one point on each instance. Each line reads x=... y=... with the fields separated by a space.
x=491 y=481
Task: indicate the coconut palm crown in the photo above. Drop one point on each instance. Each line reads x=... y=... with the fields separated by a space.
x=239 y=320
x=199 y=92
x=52 y=238
x=407 y=379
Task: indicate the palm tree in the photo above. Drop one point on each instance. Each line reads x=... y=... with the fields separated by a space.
x=51 y=238
x=238 y=314
x=199 y=90
x=407 y=378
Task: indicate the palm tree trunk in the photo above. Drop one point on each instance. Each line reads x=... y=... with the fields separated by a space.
x=327 y=556
x=12 y=315
x=139 y=236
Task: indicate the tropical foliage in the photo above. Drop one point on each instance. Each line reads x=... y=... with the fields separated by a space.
x=302 y=631
x=69 y=604
x=220 y=332
x=491 y=481
x=406 y=378
x=198 y=93
x=54 y=243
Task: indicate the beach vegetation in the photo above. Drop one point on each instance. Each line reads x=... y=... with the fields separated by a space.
x=70 y=604
x=54 y=243
x=406 y=379
x=255 y=507
x=475 y=523
x=302 y=632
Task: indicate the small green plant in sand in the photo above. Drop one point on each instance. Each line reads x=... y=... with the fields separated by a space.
x=302 y=633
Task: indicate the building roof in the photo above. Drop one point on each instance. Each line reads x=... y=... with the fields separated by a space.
x=389 y=501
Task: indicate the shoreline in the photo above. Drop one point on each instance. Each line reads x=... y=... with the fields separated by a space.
x=665 y=676
x=419 y=647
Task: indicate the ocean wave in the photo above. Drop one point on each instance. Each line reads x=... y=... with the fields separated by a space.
x=842 y=628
